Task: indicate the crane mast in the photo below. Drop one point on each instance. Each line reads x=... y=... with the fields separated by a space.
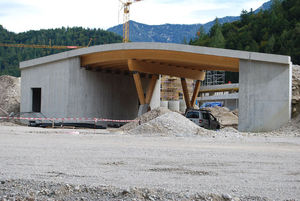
x=126 y=18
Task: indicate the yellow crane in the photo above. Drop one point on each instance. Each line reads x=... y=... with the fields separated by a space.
x=126 y=16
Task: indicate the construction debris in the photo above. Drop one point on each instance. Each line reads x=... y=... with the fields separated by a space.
x=224 y=116
x=9 y=95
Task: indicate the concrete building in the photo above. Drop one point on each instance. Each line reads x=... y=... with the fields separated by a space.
x=109 y=81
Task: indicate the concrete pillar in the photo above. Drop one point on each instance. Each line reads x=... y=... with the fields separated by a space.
x=264 y=95
x=173 y=106
x=164 y=104
x=155 y=101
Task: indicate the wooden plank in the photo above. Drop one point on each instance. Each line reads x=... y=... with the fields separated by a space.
x=151 y=88
x=190 y=59
x=139 y=87
x=195 y=94
x=234 y=89
x=185 y=93
x=155 y=68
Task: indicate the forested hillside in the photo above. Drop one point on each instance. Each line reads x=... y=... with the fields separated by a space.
x=276 y=31
x=10 y=57
x=271 y=31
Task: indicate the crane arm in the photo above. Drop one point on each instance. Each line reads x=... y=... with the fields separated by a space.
x=40 y=46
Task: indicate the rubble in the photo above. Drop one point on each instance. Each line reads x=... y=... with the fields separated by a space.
x=9 y=95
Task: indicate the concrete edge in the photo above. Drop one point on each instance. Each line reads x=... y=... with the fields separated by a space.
x=244 y=55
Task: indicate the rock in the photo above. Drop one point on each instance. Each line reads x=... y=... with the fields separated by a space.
x=227 y=197
x=9 y=95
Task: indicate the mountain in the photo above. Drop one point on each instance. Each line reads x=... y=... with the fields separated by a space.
x=265 y=6
x=172 y=33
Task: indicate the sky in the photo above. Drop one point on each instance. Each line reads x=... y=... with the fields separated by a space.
x=24 y=15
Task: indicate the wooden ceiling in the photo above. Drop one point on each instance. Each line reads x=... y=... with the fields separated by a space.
x=165 y=62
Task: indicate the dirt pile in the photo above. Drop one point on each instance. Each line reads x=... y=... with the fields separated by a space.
x=296 y=91
x=9 y=95
x=145 y=118
x=225 y=116
x=292 y=128
x=164 y=122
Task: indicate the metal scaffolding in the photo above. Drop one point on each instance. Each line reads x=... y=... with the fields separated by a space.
x=214 y=78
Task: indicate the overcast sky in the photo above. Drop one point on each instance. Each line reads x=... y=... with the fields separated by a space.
x=23 y=15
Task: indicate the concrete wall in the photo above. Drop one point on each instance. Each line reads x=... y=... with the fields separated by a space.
x=53 y=78
x=264 y=95
x=71 y=91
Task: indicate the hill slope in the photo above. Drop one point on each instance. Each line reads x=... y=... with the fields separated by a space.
x=273 y=31
x=10 y=57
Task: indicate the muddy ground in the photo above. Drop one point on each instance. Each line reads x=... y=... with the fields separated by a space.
x=60 y=164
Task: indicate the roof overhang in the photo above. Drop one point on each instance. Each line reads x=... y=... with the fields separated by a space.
x=159 y=58
x=165 y=62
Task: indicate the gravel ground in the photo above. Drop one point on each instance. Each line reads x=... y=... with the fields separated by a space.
x=109 y=165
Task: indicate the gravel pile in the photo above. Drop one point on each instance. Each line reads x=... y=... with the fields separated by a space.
x=145 y=118
x=171 y=123
x=292 y=128
x=33 y=190
x=9 y=95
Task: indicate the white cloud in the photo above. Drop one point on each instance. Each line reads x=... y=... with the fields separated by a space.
x=36 y=14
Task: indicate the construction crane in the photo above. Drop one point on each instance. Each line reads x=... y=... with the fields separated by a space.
x=50 y=46
x=126 y=16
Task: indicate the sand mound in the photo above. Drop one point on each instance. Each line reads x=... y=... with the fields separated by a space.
x=171 y=123
x=164 y=122
x=225 y=116
x=145 y=118
x=9 y=95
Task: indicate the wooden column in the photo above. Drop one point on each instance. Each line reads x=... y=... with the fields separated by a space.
x=195 y=94
x=151 y=88
x=185 y=93
x=139 y=87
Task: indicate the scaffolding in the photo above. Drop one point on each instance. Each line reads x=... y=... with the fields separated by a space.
x=171 y=89
x=214 y=78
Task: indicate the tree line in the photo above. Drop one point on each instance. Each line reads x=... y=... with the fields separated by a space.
x=275 y=31
x=78 y=36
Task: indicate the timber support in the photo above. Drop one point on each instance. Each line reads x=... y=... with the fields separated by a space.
x=144 y=102
x=186 y=93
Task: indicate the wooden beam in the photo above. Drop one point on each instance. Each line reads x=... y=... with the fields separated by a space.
x=155 y=68
x=185 y=93
x=195 y=94
x=198 y=61
x=151 y=88
x=139 y=87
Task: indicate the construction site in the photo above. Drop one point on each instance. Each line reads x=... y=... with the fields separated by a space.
x=117 y=122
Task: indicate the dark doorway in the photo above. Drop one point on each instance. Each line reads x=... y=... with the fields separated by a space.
x=36 y=99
